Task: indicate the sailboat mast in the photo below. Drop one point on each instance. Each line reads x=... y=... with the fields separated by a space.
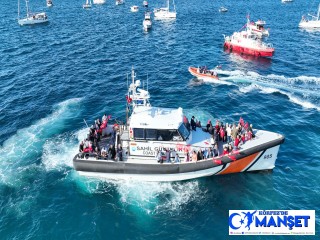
x=318 y=15
x=27 y=8
x=18 y=9
x=168 y=5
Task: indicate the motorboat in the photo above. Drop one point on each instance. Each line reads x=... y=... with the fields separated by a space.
x=313 y=22
x=134 y=8
x=223 y=9
x=258 y=28
x=49 y=3
x=147 y=23
x=165 y=13
x=161 y=144
x=145 y=3
x=119 y=2
x=88 y=4
x=31 y=18
x=203 y=73
x=244 y=42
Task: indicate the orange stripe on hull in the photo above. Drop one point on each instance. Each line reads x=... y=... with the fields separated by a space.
x=240 y=165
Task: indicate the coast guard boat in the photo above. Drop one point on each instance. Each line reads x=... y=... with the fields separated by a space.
x=149 y=136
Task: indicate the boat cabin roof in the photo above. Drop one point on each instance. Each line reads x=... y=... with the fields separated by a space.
x=156 y=118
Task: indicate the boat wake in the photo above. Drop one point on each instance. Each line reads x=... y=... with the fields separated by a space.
x=23 y=151
x=301 y=90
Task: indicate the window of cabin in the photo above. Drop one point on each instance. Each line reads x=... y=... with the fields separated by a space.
x=138 y=133
x=151 y=134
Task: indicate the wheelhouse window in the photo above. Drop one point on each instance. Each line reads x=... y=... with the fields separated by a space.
x=158 y=134
x=138 y=133
x=151 y=134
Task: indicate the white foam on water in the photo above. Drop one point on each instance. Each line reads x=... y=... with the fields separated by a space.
x=153 y=197
x=23 y=148
x=59 y=151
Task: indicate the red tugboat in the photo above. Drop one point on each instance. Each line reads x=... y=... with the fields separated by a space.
x=245 y=42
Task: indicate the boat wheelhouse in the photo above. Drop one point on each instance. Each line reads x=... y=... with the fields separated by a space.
x=160 y=144
x=258 y=28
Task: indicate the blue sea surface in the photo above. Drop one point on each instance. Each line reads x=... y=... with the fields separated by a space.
x=53 y=76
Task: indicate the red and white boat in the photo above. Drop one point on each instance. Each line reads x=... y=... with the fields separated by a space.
x=245 y=42
x=203 y=73
x=258 y=28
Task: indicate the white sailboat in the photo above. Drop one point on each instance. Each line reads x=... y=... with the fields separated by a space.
x=32 y=18
x=313 y=22
x=119 y=2
x=164 y=13
x=88 y=4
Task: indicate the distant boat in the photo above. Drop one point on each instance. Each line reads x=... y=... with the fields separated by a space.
x=286 y=1
x=88 y=4
x=99 y=1
x=134 y=8
x=119 y=2
x=223 y=9
x=49 y=3
x=164 y=13
x=145 y=3
x=32 y=18
x=313 y=22
x=147 y=24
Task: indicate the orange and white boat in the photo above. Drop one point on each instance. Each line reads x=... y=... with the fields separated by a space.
x=203 y=73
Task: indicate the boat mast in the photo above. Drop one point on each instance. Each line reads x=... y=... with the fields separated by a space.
x=27 y=8
x=318 y=15
x=18 y=9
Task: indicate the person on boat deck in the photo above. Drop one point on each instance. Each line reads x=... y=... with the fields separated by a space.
x=228 y=130
x=194 y=156
x=225 y=151
x=198 y=123
x=112 y=152
x=215 y=150
x=104 y=117
x=119 y=153
x=173 y=155
x=97 y=152
x=168 y=156
x=104 y=152
x=199 y=155
x=237 y=142
x=187 y=157
x=159 y=156
x=230 y=148
x=193 y=124
x=81 y=147
x=177 y=158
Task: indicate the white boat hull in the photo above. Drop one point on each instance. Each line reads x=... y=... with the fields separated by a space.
x=147 y=25
x=310 y=24
x=165 y=15
x=31 y=21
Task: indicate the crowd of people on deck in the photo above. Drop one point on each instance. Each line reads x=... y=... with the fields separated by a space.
x=226 y=139
x=92 y=144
